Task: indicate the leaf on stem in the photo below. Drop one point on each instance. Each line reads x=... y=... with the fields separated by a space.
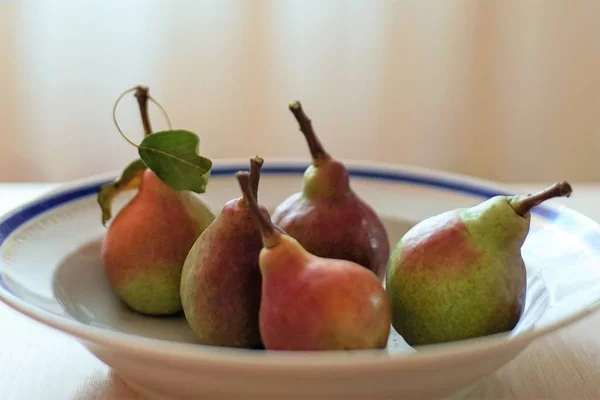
x=173 y=157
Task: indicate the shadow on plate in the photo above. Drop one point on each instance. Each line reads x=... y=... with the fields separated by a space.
x=83 y=291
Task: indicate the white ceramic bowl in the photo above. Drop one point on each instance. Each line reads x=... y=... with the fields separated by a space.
x=51 y=271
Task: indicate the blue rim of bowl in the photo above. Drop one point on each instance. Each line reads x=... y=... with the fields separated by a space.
x=13 y=222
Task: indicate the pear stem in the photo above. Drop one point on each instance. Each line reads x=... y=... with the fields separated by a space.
x=523 y=204
x=317 y=151
x=141 y=93
x=270 y=235
x=146 y=128
x=256 y=164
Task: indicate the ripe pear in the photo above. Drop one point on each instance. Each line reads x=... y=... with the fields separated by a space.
x=327 y=217
x=221 y=281
x=460 y=274
x=146 y=244
x=315 y=303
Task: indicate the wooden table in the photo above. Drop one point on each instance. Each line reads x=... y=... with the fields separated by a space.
x=39 y=363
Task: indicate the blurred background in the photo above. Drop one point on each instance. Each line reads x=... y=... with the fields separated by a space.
x=504 y=90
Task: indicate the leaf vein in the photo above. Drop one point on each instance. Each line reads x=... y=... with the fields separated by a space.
x=169 y=155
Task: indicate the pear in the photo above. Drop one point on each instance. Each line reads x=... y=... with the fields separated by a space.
x=461 y=274
x=327 y=217
x=146 y=244
x=314 y=303
x=221 y=280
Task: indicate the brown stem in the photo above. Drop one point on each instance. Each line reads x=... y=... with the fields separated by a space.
x=523 y=204
x=256 y=164
x=141 y=93
x=317 y=151
x=270 y=235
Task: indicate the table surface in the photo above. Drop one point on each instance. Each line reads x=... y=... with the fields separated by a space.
x=37 y=362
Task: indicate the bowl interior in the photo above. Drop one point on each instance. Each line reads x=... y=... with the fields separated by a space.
x=51 y=253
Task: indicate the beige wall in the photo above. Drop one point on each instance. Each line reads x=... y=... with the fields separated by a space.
x=507 y=90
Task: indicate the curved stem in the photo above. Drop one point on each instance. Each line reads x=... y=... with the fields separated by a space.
x=256 y=164
x=523 y=204
x=114 y=114
x=162 y=110
x=317 y=151
x=141 y=94
x=270 y=235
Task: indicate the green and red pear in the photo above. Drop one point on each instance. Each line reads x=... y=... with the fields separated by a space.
x=221 y=280
x=460 y=274
x=146 y=244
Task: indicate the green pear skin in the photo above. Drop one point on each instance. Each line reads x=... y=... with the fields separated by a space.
x=147 y=243
x=446 y=285
x=460 y=274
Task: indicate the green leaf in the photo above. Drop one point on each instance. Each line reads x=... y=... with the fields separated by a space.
x=173 y=157
x=129 y=179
